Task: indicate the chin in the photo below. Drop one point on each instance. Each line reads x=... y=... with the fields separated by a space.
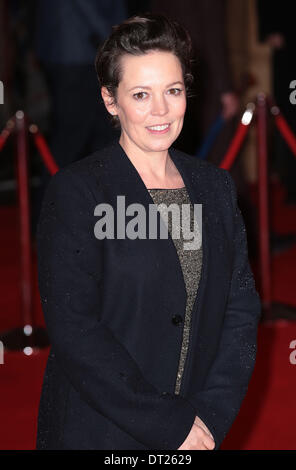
x=160 y=146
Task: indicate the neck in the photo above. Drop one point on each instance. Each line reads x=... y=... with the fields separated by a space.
x=154 y=164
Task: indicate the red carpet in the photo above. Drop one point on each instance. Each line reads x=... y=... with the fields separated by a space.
x=268 y=415
x=267 y=418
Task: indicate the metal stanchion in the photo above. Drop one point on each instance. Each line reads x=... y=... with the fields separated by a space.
x=264 y=248
x=27 y=337
x=280 y=309
x=24 y=219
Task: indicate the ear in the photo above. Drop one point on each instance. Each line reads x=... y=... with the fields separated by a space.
x=109 y=101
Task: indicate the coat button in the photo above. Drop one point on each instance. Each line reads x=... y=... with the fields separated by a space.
x=177 y=319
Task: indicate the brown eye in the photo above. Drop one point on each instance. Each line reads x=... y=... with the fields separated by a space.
x=140 y=96
x=175 y=91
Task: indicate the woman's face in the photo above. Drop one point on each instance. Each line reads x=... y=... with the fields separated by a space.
x=151 y=100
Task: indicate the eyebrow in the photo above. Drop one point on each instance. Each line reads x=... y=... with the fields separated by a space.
x=149 y=88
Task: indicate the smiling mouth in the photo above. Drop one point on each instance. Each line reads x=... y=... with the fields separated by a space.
x=158 y=127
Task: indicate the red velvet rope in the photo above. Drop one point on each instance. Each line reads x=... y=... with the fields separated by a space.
x=238 y=138
x=286 y=132
x=44 y=150
x=6 y=132
x=234 y=146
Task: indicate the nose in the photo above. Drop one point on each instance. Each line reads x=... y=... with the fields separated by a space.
x=159 y=106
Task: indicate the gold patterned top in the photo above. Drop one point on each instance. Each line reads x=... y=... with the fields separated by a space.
x=190 y=259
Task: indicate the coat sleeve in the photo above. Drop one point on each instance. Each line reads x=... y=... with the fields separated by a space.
x=71 y=284
x=218 y=403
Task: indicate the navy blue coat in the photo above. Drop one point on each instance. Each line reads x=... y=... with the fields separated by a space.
x=109 y=307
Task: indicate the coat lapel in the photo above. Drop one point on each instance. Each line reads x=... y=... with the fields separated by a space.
x=192 y=174
x=121 y=171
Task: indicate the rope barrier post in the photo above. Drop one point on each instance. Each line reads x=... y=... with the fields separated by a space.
x=27 y=337
x=24 y=220
x=264 y=248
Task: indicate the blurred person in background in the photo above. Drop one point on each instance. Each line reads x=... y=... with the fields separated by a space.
x=67 y=35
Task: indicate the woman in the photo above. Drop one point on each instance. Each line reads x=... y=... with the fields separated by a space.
x=153 y=345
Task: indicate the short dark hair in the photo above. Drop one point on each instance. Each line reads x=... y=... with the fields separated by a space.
x=139 y=35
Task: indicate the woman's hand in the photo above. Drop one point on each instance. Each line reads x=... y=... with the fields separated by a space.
x=199 y=437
